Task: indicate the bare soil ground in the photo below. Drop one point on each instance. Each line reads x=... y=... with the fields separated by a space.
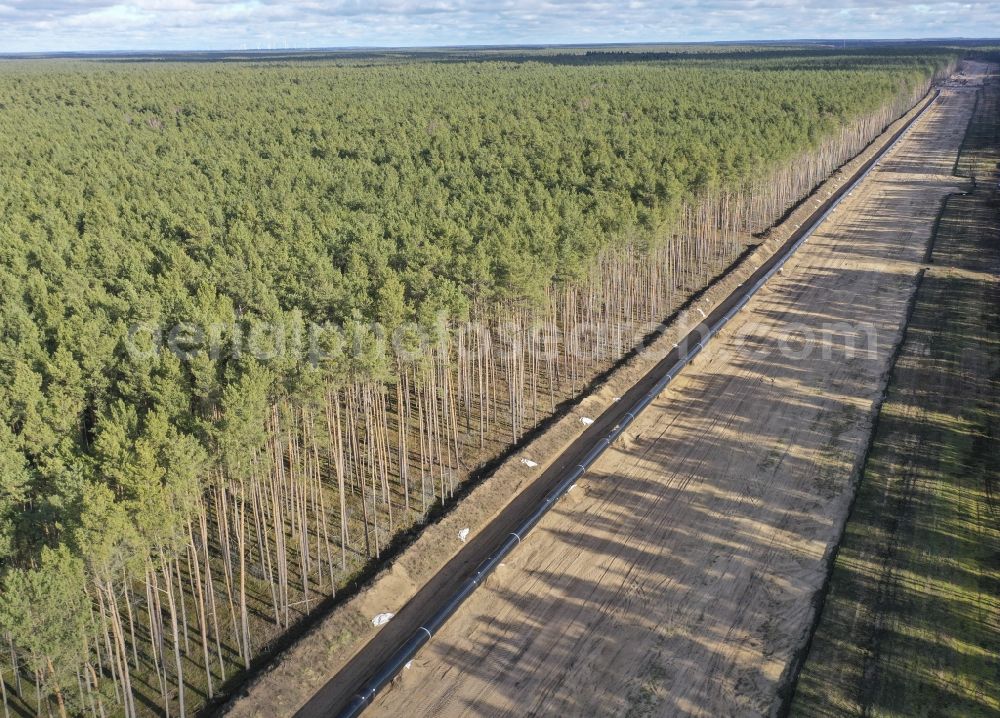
x=679 y=577
x=911 y=625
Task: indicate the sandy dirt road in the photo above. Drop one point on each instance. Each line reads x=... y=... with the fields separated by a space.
x=679 y=576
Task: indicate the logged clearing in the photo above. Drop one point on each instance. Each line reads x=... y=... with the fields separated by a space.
x=911 y=625
x=680 y=576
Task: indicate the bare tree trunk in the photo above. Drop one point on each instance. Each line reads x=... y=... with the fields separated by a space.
x=176 y=635
x=3 y=690
x=240 y=509
x=156 y=634
x=60 y=701
x=210 y=594
x=200 y=608
x=131 y=623
x=121 y=652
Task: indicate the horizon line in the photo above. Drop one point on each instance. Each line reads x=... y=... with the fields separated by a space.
x=486 y=46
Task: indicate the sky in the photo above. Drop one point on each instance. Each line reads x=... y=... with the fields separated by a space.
x=96 y=25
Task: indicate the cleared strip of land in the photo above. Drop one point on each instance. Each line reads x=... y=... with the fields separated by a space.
x=911 y=625
x=679 y=576
x=324 y=668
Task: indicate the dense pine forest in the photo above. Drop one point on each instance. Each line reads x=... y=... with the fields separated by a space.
x=260 y=317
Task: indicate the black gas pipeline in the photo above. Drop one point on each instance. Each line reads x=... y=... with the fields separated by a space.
x=700 y=336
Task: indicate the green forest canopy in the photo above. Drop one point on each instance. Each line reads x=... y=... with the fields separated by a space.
x=168 y=193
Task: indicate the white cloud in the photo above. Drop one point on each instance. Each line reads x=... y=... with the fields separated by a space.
x=41 y=25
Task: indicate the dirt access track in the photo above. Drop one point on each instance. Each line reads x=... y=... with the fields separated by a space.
x=680 y=576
